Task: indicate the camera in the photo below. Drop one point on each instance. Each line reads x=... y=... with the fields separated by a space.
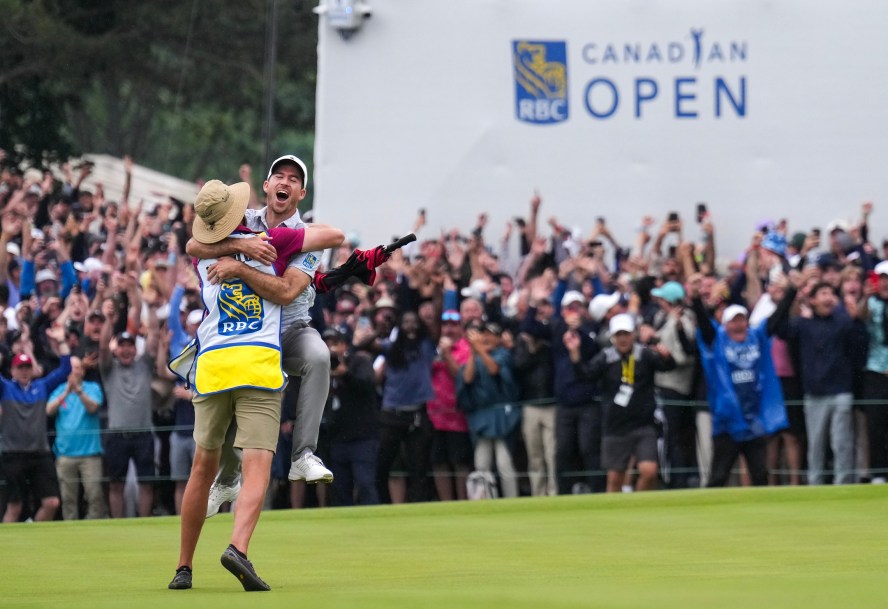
x=345 y=16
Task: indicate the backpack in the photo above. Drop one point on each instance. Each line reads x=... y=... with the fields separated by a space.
x=481 y=485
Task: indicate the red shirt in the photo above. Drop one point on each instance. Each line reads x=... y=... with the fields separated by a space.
x=442 y=409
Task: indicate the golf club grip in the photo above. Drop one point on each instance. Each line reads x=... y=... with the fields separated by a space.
x=409 y=238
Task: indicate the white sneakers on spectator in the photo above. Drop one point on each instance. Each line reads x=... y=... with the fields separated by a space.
x=220 y=494
x=310 y=468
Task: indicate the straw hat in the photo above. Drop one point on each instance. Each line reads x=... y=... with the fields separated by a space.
x=219 y=208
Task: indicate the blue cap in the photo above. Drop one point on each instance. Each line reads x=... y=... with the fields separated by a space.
x=775 y=242
x=671 y=291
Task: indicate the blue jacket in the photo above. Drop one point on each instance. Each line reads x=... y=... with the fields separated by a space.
x=743 y=390
x=23 y=423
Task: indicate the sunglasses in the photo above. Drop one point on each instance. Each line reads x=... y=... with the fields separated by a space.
x=450 y=316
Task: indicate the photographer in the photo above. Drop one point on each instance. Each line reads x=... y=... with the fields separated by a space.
x=354 y=429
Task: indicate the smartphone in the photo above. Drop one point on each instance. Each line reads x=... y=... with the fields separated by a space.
x=600 y=220
x=364 y=322
x=422 y=212
x=672 y=217
x=815 y=232
x=701 y=212
x=873 y=279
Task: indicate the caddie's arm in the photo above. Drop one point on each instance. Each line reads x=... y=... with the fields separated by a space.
x=279 y=290
x=258 y=249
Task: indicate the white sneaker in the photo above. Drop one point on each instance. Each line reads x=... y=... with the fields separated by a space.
x=310 y=468
x=220 y=494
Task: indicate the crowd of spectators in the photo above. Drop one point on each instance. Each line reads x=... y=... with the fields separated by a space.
x=552 y=361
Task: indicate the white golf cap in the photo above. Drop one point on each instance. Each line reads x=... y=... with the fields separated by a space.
x=290 y=159
x=621 y=323
x=603 y=303
x=881 y=268
x=572 y=296
x=732 y=311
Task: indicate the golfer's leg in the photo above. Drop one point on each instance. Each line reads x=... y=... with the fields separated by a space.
x=307 y=356
x=230 y=458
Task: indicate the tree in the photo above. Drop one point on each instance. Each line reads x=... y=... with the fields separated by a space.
x=176 y=85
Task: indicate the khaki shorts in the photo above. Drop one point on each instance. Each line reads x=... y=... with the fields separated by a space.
x=258 y=415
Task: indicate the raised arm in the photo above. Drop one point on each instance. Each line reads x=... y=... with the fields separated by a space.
x=109 y=310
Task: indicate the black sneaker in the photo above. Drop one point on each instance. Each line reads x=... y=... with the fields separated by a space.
x=182 y=580
x=242 y=569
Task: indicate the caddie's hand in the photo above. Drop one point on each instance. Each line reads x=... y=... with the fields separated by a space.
x=259 y=249
x=224 y=269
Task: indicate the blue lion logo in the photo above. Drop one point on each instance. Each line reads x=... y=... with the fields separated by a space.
x=240 y=309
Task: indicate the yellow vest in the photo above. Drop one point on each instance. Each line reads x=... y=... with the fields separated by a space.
x=238 y=343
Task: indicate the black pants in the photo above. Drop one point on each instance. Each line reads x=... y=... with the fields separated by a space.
x=725 y=451
x=578 y=447
x=876 y=388
x=681 y=439
x=413 y=432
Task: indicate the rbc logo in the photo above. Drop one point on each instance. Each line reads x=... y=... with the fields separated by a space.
x=240 y=310
x=540 y=81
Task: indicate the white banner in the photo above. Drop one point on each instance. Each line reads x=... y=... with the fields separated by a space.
x=761 y=109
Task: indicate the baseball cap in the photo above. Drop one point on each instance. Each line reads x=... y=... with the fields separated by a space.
x=671 y=291
x=621 y=323
x=837 y=225
x=493 y=328
x=96 y=314
x=126 y=337
x=195 y=317
x=571 y=297
x=732 y=311
x=450 y=315
x=45 y=275
x=291 y=159
x=601 y=304
x=384 y=303
x=828 y=260
x=881 y=268
x=798 y=240
x=22 y=359
x=775 y=242
x=333 y=334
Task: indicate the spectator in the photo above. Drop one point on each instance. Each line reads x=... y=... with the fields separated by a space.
x=674 y=328
x=828 y=341
x=452 y=454
x=626 y=371
x=874 y=311
x=354 y=429
x=406 y=373
x=487 y=392
x=78 y=445
x=26 y=459
x=127 y=377
x=534 y=371
x=792 y=439
x=743 y=389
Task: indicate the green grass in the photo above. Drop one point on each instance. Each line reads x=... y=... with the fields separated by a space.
x=749 y=548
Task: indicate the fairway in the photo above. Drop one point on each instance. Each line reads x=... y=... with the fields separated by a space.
x=749 y=548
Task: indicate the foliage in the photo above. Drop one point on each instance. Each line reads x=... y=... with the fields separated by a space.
x=177 y=85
